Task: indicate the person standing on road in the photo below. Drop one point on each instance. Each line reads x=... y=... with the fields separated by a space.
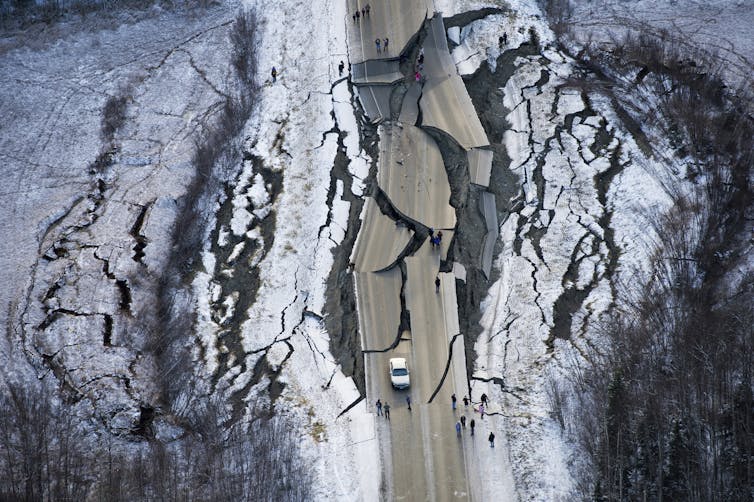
x=408 y=402
x=453 y=401
x=491 y=439
x=472 y=424
x=274 y=74
x=437 y=284
x=463 y=421
x=367 y=8
x=387 y=411
x=358 y=15
x=341 y=67
x=384 y=44
x=484 y=399
x=377 y=42
x=378 y=404
x=458 y=429
x=465 y=401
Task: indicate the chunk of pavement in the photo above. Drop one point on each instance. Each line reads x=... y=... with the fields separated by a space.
x=411 y=173
x=380 y=241
x=376 y=72
x=480 y=166
x=450 y=311
x=445 y=104
x=378 y=303
x=489 y=212
x=410 y=106
x=375 y=99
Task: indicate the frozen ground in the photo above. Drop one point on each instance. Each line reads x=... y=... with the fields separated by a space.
x=578 y=227
x=72 y=235
x=70 y=227
x=724 y=28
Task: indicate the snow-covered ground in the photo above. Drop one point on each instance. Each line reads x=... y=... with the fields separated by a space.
x=70 y=228
x=294 y=130
x=723 y=28
x=587 y=190
x=69 y=232
x=69 y=241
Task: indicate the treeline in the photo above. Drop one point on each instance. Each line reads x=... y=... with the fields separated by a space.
x=217 y=157
x=52 y=450
x=666 y=410
x=20 y=13
x=49 y=454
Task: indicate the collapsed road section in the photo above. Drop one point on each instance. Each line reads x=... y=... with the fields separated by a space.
x=405 y=285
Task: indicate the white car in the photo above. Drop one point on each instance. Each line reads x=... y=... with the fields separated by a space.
x=399 y=373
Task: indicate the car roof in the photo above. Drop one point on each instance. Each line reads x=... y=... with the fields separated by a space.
x=398 y=361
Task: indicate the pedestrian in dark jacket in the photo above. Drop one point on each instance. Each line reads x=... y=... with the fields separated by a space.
x=387 y=411
x=378 y=405
x=491 y=439
x=472 y=424
x=453 y=401
x=341 y=67
x=274 y=74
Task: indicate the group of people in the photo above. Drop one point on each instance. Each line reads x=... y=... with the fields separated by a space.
x=384 y=409
x=381 y=44
x=363 y=13
x=435 y=239
x=461 y=423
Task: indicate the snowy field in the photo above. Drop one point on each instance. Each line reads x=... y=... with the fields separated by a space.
x=71 y=273
x=70 y=232
x=70 y=228
x=723 y=28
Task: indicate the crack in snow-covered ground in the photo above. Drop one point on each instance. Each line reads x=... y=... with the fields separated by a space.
x=88 y=217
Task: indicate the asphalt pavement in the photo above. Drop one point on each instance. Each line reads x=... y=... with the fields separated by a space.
x=445 y=104
x=396 y=20
x=422 y=456
x=380 y=241
x=412 y=174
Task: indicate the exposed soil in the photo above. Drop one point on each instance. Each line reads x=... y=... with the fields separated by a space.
x=341 y=319
x=485 y=89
